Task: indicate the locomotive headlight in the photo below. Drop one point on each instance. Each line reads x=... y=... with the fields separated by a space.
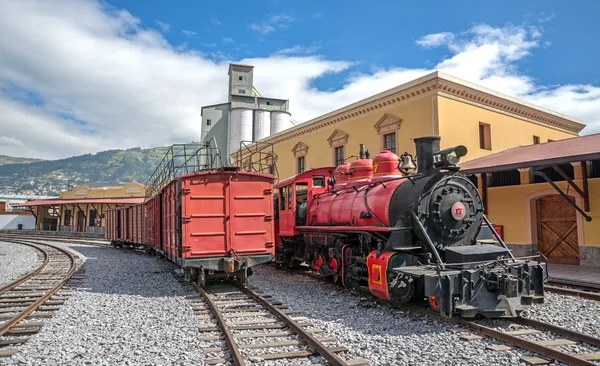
x=449 y=157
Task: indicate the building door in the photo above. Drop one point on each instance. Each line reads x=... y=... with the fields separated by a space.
x=80 y=221
x=557 y=230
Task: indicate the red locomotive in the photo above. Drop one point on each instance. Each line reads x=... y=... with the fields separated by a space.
x=406 y=236
x=213 y=222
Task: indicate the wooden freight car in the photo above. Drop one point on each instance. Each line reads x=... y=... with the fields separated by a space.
x=212 y=222
x=125 y=226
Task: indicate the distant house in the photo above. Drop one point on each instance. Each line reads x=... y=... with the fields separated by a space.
x=83 y=208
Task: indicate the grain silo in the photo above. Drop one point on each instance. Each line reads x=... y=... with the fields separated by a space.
x=262 y=124
x=247 y=115
x=280 y=121
x=241 y=125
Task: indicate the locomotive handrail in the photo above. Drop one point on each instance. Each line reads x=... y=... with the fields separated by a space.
x=428 y=239
x=487 y=222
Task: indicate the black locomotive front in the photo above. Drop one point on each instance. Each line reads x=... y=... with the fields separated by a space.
x=440 y=211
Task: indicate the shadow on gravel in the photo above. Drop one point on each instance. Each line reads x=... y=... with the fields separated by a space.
x=127 y=272
x=337 y=306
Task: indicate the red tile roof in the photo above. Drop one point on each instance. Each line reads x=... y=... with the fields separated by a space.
x=549 y=153
x=128 y=200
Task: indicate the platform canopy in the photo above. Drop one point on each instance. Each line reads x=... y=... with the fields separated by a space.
x=537 y=156
x=125 y=200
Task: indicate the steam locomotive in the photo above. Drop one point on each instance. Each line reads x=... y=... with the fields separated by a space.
x=407 y=236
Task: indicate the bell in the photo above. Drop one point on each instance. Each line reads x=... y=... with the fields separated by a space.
x=407 y=163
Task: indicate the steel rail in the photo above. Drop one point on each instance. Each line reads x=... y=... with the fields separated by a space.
x=560 y=330
x=573 y=292
x=507 y=338
x=28 y=275
x=234 y=351
x=31 y=308
x=313 y=342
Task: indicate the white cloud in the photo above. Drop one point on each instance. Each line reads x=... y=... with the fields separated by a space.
x=215 y=21
x=188 y=32
x=273 y=22
x=262 y=28
x=79 y=77
x=298 y=50
x=164 y=27
x=435 y=39
x=227 y=40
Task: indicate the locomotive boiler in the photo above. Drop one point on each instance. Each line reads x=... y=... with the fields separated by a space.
x=407 y=237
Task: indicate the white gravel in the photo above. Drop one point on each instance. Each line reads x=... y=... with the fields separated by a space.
x=571 y=312
x=16 y=260
x=379 y=333
x=128 y=310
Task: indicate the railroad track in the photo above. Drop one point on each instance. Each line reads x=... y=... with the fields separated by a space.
x=551 y=342
x=581 y=289
x=25 y=302
x=60 y=239
x=257 y=328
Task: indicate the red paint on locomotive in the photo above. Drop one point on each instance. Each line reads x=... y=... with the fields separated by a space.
x=378 y=268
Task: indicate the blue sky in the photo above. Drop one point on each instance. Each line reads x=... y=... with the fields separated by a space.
x=81 y=76
x=381 y=33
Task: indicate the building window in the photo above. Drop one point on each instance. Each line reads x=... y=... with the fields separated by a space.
x=485 y=136
x=339 y=155
x=389 y=142
x=241 y=91
x=269 y=103
x=208 y=122
x=301 y=164
x=240 y=78
x=536 y=140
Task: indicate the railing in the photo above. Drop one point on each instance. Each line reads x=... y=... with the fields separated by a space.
x=257 y=157
x=182 y=159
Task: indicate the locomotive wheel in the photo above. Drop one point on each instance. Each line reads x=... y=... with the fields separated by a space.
x=401 y=288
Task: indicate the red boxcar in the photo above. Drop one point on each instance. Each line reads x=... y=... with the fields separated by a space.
x=211 y=222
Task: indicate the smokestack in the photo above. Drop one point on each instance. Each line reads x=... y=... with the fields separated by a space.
x=426 y=146
x=361 y=154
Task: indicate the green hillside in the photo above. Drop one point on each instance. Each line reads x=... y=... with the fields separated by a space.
x=4 y=159
x=112 y=167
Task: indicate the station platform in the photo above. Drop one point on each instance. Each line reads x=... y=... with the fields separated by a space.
x=572 y=274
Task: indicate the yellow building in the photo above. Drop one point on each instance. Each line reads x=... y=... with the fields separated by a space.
x=83 y=208
x=437 y=104
x=519 y=189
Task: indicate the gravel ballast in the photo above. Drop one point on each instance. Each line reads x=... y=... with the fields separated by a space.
x=16 y=260
x=571 y=312
x=379 y=333
x=128 y=310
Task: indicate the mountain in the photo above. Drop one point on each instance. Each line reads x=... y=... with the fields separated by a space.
x=4 y=159
x=106 y=168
